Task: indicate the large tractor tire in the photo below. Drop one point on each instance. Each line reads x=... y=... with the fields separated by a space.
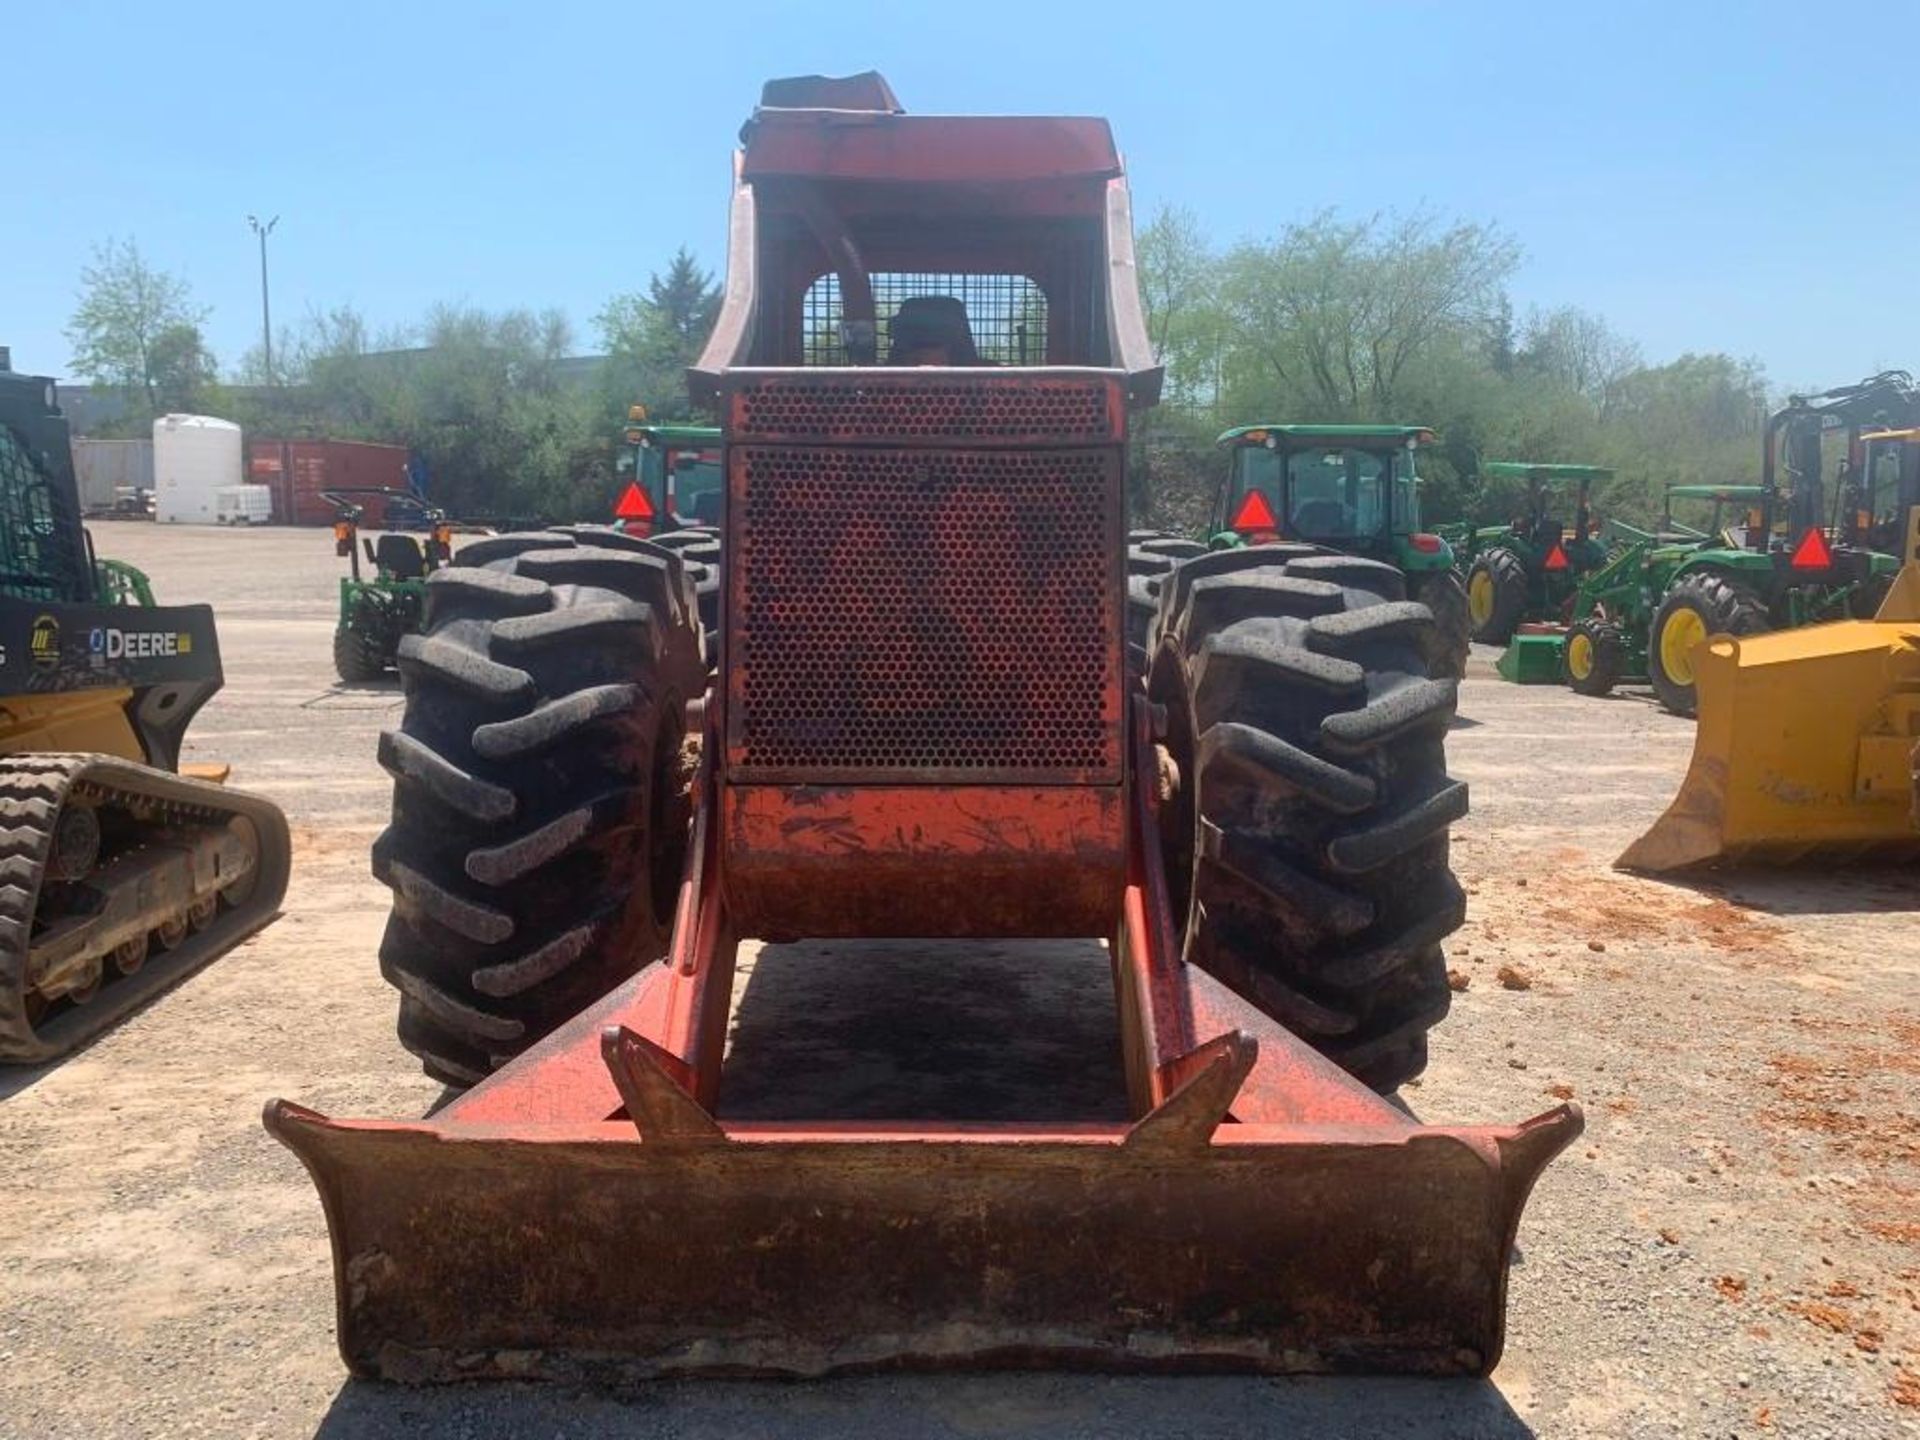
x=357 y=659
x=1306 y=834
x=1496 y=596
x=1445 y=594
x=1151 y=556
x=540 y=808
x=1698 y=605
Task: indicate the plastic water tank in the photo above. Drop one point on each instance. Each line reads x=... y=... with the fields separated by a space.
x=194 y=458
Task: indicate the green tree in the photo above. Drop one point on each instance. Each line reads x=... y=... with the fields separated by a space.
x=1329 y=318
x=137 y=330
x=652 y=336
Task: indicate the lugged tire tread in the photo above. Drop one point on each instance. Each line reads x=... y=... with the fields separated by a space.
x=1319 y=798
x=524 y=762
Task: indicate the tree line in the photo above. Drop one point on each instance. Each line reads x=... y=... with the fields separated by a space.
x=495 y=404
x=1407 y=320
x=1401 y=319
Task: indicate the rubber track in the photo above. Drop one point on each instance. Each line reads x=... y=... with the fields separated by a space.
x=33 y=788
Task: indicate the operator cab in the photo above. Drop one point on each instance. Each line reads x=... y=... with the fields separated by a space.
x=1330 y=484
x=669 y=476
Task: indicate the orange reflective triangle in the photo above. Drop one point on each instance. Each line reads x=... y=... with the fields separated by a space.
x=1556 y=558
x=1812 y=552
x=634 y=504
x=1254 y=514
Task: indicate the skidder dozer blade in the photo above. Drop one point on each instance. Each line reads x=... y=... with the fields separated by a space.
x=582 y=1215
x=928 y=721
x=1805 y=744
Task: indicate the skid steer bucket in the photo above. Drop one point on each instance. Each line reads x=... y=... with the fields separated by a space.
x=583 y=1215
x=1805 y=744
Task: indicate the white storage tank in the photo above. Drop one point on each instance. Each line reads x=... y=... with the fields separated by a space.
x=194 y=458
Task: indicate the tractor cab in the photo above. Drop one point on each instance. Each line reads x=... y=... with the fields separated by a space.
x=670 y=476
x=1348 y=487
x=1889 y=487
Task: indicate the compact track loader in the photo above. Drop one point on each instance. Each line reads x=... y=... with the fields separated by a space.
x=118 y=876
x=1808 y=743
x=923 y=724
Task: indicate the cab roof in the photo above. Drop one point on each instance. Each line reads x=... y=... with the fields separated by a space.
x=680 y=434
x=1382 y=434
x=1533 y=470
x=1729 y=493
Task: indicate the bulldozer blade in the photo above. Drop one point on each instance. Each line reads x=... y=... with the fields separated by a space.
x=1804 y=746
x=648 y=1238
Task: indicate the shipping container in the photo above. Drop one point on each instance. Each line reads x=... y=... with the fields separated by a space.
x=104 y=468
x=296 y=471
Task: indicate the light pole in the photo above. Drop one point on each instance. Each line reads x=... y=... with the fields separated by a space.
x=266 y=315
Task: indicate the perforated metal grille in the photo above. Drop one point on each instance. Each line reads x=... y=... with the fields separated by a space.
x=975 y=408
x=920 y=614
x=1007 y=314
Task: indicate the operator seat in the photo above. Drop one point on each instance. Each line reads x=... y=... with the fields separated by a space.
x=400 y=557
x=932 y=321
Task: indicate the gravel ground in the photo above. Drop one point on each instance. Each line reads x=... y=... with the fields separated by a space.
x=1732 y=1249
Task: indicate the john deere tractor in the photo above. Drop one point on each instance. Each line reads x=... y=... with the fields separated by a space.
x=1352 y=488
x=1527 y=570
x=671 y=493
x=377 y=610
x=1644 y=613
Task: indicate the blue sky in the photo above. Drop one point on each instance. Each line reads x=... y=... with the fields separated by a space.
x=1690 y=172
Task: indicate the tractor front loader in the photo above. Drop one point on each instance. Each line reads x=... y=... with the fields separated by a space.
x=1808 y=742
x=923 y=724
x=119 y=875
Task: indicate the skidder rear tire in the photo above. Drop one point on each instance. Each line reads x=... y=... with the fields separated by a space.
x=539 y=802
x=1151 y=555
x=1306 y=838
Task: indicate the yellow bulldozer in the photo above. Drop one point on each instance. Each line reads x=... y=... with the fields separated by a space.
x=1809 y=740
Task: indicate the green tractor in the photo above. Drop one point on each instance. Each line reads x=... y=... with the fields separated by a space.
x=1527 y=571
x=670 y=477
x=377 y=611
x=1351 y=488
x=673 y=488
x=1642 y=614
x=1614 y=607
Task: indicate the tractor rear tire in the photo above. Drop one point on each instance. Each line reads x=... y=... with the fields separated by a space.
x=1151 y=556
x=356 y=658
x=1445 y=594
x=540 y=810
x=1696 y=606
x=1306 y=837
x=1498 y=609
x=1594 y=657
